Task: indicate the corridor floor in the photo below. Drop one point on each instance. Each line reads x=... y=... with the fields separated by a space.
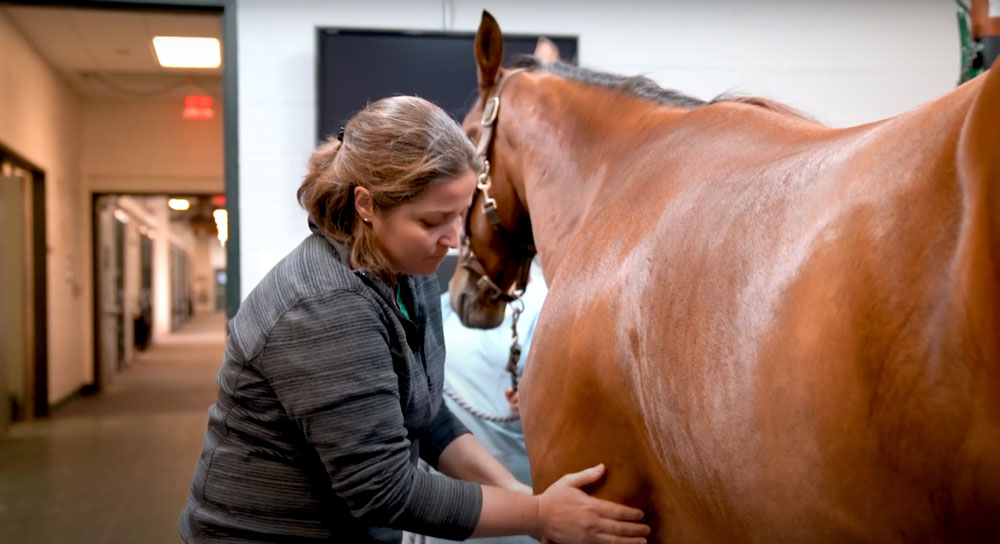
x=115 y=467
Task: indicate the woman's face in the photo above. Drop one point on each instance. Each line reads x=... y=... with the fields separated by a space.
x=415 y=236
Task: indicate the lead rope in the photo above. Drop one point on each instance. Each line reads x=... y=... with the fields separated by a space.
x=477 y=412
x=517 y=306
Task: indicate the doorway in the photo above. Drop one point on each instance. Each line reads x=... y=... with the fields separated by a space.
x=23 y=351
x=156 y=262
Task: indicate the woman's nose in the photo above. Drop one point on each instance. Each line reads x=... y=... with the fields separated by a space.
x=454 y=234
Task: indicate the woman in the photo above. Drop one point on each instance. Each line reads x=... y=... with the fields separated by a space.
x=331 y=384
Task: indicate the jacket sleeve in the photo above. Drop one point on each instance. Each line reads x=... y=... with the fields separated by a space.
x=441 y=431
x=329 y=362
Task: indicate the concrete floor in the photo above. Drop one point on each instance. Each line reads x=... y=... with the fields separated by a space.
x=115 y=467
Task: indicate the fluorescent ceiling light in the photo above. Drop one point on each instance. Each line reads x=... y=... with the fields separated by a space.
x=183 y=52
x=179 y=204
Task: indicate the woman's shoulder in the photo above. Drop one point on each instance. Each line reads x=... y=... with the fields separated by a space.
x=313 y=270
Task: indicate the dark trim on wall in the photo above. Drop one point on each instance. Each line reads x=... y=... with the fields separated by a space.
x=95 y=301
x=231 y=144
x=40 y=264
x=40 y=284
x=190 y=6
x=991 y=50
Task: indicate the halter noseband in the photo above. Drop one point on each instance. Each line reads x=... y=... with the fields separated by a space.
x=487 y=286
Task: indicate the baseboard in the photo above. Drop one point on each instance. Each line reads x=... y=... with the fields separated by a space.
x=83 y=391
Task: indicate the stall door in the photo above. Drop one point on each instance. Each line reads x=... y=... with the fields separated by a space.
x=14 y=275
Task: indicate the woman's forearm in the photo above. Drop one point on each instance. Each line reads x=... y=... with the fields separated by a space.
x=466 y=459
x=507 y=512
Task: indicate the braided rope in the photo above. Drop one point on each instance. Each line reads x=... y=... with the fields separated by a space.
x=413 y=538
x=477 y=412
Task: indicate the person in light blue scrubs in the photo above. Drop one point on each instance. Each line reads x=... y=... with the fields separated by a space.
x=475 y=372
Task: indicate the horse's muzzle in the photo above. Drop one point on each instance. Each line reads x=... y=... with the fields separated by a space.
x=472 y=310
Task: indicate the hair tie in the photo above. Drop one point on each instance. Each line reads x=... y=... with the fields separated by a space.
x=340 y=135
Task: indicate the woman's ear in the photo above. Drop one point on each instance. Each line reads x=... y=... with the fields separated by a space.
x=364 y=207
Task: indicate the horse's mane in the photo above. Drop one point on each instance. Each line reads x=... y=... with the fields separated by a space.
x=645 y=88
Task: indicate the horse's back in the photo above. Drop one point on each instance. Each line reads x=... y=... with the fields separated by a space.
x=774 y=342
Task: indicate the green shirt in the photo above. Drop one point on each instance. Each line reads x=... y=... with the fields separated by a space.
x=399 y=302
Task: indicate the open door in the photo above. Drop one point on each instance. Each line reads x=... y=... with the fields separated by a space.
x=17 y=296
x=110 y=291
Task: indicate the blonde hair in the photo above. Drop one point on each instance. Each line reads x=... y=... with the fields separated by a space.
x=396 y=148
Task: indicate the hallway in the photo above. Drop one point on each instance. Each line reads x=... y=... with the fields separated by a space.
x=115 y=467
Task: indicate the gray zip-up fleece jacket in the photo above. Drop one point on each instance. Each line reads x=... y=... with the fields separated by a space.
x=327 y=394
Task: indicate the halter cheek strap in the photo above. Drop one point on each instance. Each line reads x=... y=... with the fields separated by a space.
x=491 y=111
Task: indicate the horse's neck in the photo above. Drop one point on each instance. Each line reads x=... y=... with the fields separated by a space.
x=560 y=196
x=564 y=157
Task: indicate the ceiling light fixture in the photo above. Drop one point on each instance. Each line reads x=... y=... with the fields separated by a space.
x=185 y=52
x=179 y=204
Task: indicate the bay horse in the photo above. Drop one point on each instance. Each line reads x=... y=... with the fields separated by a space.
x=769 y=330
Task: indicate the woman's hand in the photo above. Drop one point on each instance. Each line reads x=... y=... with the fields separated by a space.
x=570 y=516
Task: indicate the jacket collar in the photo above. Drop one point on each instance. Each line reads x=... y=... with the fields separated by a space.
x=383 y=289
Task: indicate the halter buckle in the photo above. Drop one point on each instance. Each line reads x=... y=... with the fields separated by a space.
x=484 y=181
x=490 y=111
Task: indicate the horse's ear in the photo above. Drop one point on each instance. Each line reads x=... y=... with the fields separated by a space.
x=546 y=51
x=489 y=50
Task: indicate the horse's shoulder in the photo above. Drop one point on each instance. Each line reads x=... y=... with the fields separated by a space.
x=979 y=143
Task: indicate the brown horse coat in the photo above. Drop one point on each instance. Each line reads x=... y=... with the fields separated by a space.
x=769 y=330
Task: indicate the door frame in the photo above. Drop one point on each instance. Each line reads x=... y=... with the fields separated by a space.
x=40 y=286
x=95 y=291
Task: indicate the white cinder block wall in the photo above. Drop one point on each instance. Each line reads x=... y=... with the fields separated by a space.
x=844 y=62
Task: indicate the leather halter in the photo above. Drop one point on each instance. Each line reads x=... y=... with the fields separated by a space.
x=486 y=285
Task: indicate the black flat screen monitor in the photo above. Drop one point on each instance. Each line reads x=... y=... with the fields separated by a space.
x=360 y=66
